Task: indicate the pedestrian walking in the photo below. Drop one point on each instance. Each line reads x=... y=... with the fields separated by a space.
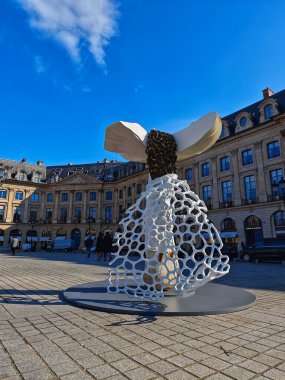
x=99 y=245
x=14 y=245
x=88 y=245
x=107 y=246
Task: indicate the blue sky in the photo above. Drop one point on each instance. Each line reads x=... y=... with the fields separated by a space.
x=70 y=68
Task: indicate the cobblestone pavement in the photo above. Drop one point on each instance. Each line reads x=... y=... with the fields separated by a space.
x=42 y=337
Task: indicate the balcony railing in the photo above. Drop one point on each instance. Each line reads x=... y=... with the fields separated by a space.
x=226 y=204
x=249 y=201
x=275 y=198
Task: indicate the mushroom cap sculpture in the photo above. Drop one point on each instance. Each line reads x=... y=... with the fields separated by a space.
x=167 y=240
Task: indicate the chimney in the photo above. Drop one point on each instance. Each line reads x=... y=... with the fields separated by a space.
x=267 y=92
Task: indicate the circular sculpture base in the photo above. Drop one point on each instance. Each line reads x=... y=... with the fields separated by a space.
x=209 y=299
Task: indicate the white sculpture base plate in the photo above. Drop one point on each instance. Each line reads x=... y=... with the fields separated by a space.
x=209 y=299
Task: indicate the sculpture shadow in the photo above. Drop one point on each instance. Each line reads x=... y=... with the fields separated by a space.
x=99 y=302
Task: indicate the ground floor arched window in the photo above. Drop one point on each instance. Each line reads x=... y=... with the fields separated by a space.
x=32 y=238
x=229 y=236
x=45 y=239
x=279 y=224
x=253 y=229
x=61 y=232
x=76 y=237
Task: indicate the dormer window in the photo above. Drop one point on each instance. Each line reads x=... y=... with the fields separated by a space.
x=268 y=111
x=268 y=108
x=21 y=176
x=36 y=177
x=243 y=121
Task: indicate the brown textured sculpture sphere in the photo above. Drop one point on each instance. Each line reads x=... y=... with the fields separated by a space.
x=161 y=153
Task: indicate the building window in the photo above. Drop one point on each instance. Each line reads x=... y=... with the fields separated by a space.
x=268 y=111
x=243 y=122
x=247 y=157
x=129 y=191
x=78 y=196
x=3 y=194
x=35 y=197
x=36 y=177
x=77 y=214
x=279 y=223
x=189 y=174
x=92 y=212
x=207 y=194
x=250 y=188
x=21 y=176
x=225 y=163
x=275 y=177
x=49 y=197
x=64 y=197
x=3 y=173
x=92 y=196
x=109 y=195
x=120 y=194
x=33 y=215
x=273 y=149
x=2 y=213
x=17 y=214
x=228 y=224
x=19 y=195
x=139 y=188
x=108 y=214
x=227 y=191
x=205 y=169
x=63 y=214
x=48 y=217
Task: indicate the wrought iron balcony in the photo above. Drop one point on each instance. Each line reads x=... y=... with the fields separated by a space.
x=275 y=197
x=249 y=201
x=226 y=204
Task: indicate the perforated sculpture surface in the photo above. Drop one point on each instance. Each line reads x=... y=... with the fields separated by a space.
x=166 y=240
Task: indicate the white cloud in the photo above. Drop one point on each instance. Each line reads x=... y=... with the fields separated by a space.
x=75 y=22
x=39 y=65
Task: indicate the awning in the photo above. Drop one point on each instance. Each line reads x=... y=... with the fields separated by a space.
x=1 y=238
x=60 y=238
x=32 y=238
x=45 y=238
x=228 y=234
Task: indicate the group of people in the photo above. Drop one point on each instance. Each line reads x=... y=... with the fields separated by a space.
x=104 y=246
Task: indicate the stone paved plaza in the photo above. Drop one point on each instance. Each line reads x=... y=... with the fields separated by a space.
x=42 y=337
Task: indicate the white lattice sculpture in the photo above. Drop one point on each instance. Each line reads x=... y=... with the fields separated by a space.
x=166 y=240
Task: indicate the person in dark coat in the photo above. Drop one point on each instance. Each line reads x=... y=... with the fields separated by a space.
x=107 y=246
x=99 y=245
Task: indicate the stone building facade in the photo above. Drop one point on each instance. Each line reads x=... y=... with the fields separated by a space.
x=240 y=179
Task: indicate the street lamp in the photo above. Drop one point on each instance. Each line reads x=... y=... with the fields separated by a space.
x=32 y=223
x=90 y=220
